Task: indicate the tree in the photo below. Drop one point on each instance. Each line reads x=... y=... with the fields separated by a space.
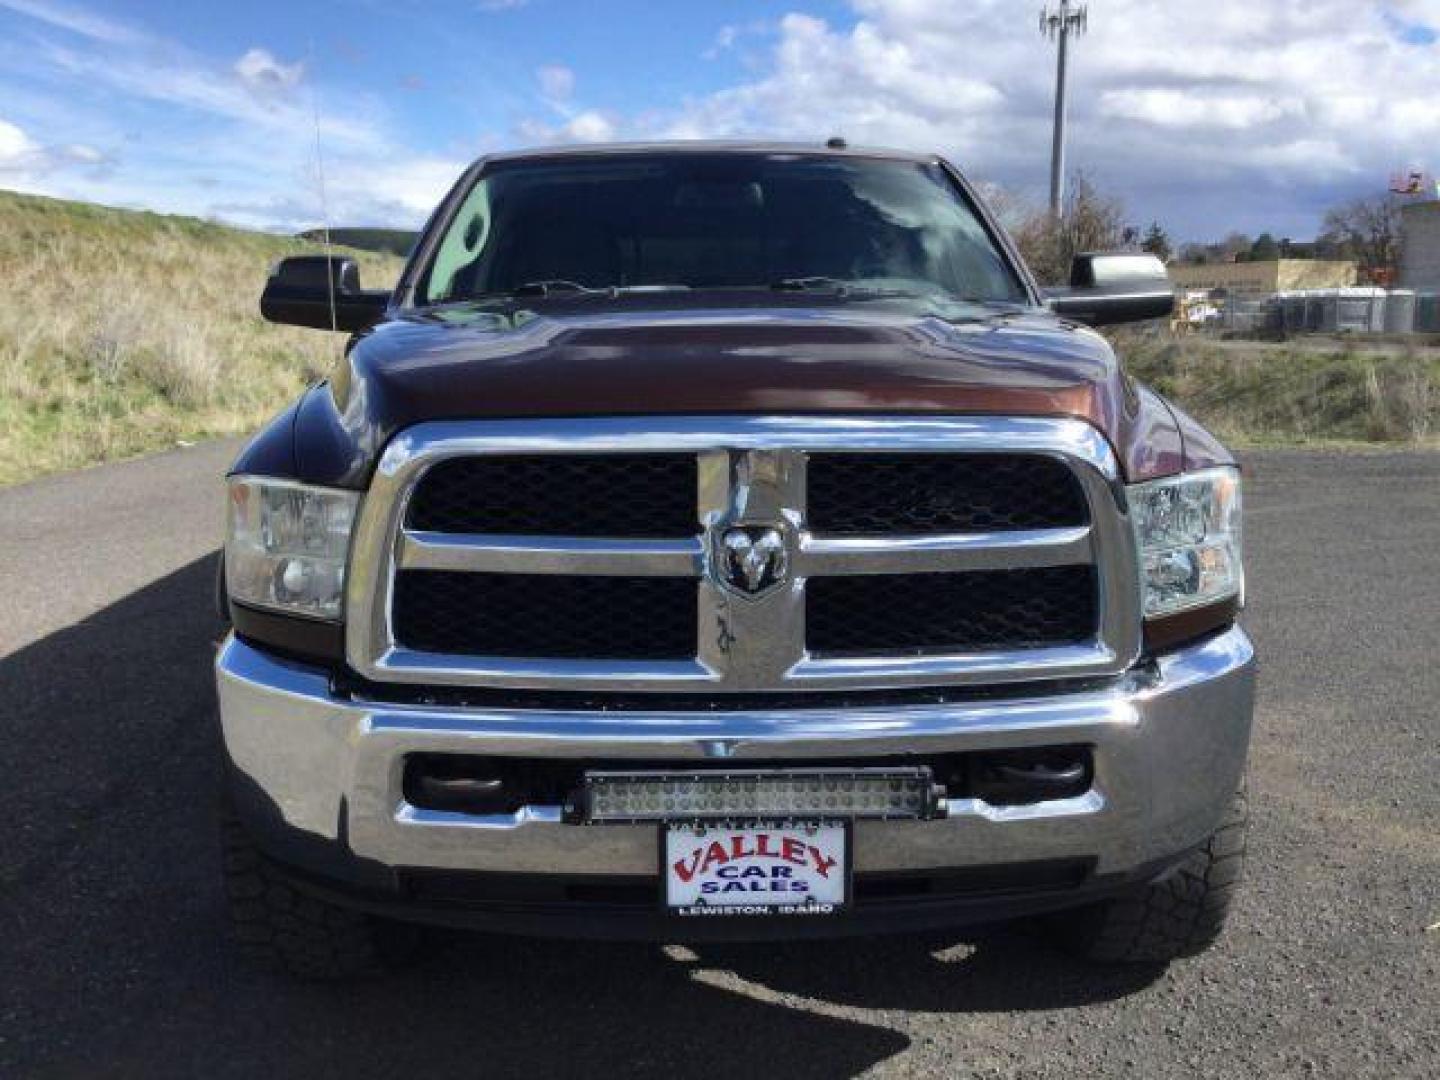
x=1012 y=211
x=1157 y=242
x=1367 y=230
x=1195 y=254
x=1265 y=249
x=1235 y=245
x=1089 y=221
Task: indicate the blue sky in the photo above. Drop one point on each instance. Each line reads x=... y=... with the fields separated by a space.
x=1211 y=118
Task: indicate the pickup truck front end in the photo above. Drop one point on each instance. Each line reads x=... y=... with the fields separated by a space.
x=635 y=667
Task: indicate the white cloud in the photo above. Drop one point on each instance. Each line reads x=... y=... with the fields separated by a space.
x=557 y=82
x=500 y=5
x=402 y=191
x=75 y=20
x=586 y=126
x=192 y=84
x=730 y=36
x=361 y=192
x=29 y=165
x=1176 y=108
x=18 y=151
x=260 y=71
x=576 y=124
x=590 y=126
x=1240 y=114
x=15 y=146
x=725 y=39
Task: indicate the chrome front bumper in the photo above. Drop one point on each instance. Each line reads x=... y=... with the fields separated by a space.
x=1169 y=743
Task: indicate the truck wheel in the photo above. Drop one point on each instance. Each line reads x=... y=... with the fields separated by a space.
x=280 y=928
x=1178 y=916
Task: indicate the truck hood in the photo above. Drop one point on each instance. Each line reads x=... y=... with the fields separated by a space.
x=660 y=356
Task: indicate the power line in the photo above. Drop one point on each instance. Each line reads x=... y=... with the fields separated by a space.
x=1058 y=22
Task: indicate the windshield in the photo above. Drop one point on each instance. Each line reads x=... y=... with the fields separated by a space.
x=712 y=221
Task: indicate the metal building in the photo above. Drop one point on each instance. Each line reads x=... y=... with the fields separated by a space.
x=1420 y=255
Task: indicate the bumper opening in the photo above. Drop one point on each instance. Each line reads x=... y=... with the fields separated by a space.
x=485 y=785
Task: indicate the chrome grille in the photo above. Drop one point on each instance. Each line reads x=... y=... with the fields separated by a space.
x=1022 y=567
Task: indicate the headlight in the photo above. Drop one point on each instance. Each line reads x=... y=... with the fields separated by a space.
x=1187 y=529
x=286 y=545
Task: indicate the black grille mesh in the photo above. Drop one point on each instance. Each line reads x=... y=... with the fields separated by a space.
x=546 y=616
x=621 y=495
x=874 y=494
x=929 y=613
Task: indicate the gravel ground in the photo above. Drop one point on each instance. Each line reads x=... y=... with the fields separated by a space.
x=113 y=960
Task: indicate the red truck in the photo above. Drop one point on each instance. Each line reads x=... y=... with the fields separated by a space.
x=728 y=541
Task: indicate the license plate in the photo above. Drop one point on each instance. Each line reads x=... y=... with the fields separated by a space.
x=756 y=869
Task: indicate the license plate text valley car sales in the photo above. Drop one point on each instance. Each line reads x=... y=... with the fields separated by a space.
x=756 y=867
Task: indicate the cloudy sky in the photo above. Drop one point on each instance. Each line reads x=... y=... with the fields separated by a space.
x=1214 y=116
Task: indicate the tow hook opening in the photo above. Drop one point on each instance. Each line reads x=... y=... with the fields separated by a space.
x=461 y=784
x=1022 y=777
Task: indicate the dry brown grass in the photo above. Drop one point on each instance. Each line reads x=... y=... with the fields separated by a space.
x=1297 y=392
x=123 y=332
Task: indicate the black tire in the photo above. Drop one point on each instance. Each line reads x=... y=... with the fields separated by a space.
x=281 y=928
x=1178 y=916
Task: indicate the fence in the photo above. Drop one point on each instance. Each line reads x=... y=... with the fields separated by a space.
x=1333 y=311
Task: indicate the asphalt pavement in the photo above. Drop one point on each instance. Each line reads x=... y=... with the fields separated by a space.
x=114 y=963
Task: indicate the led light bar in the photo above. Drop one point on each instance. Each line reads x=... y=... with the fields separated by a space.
x=744 y=795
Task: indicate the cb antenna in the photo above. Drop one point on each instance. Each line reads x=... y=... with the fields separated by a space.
x=1058 y=22
x=324 y=202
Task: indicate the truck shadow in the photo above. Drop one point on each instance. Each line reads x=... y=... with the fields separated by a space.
x=118 y=965
x=1007 y=969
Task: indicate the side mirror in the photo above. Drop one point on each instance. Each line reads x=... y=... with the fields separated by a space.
x=301 y=289
x=1109 y=289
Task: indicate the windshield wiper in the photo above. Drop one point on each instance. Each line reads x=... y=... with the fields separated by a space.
x=807 y=284
x=859 y=289
x=548 y=286
x=864 y=289
x=553 y=286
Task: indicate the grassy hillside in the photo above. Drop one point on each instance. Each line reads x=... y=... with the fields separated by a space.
x=386 y=241
x=123 y=332
x=1301 y=391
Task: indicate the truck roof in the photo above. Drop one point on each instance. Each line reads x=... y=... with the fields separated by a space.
x=706 y=146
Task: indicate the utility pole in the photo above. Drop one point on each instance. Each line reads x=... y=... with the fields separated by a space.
x=1058 y=22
